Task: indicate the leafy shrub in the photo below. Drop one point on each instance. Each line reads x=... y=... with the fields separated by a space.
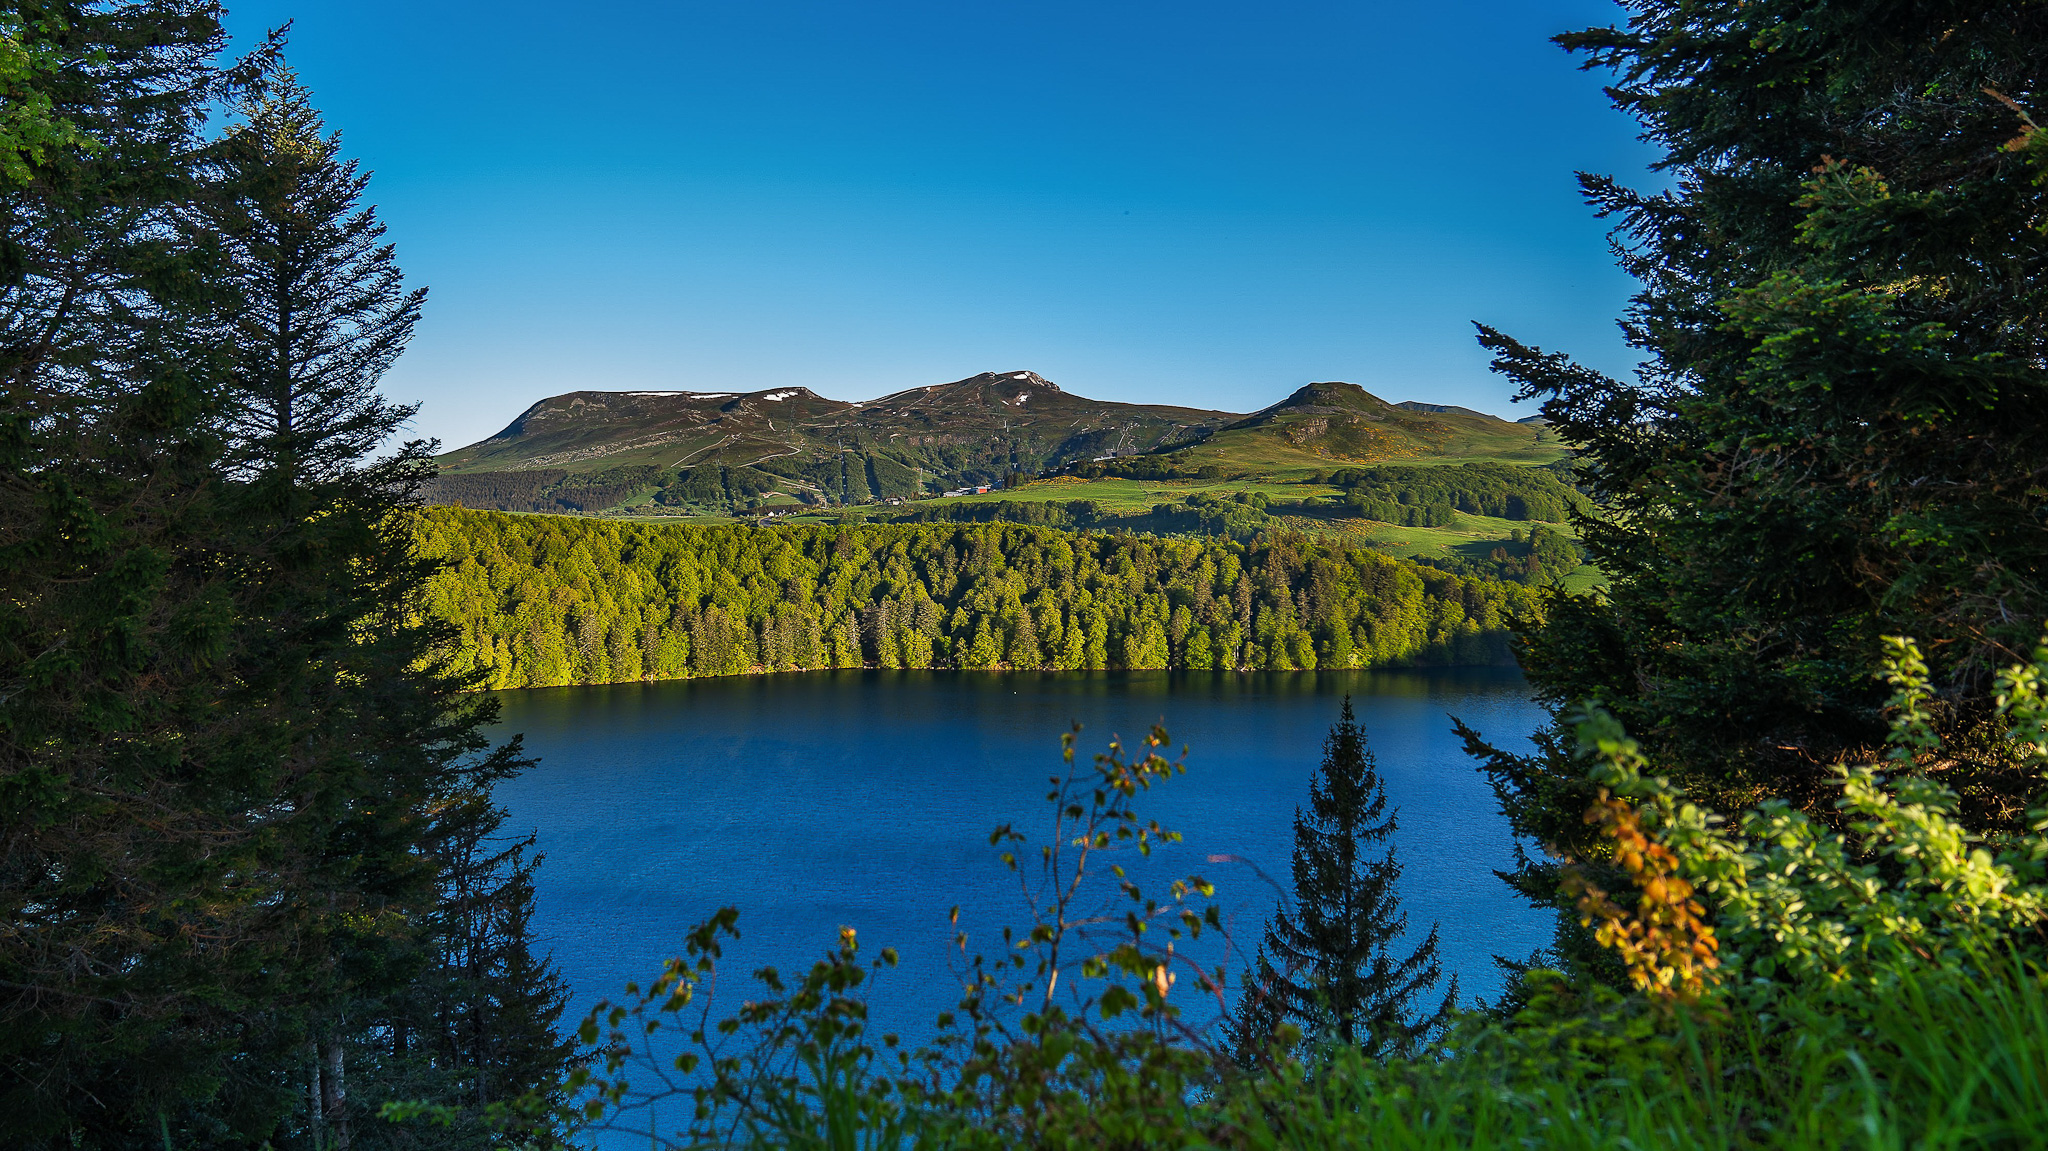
x=1067 y=1038
x=1799 y=904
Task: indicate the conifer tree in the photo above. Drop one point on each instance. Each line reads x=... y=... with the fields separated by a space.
x=228 y=738
x=323 y=308
x=136 y=946
x=399 y=882
x=1838 y=432
x=1330 y=964
x=1252 y=1031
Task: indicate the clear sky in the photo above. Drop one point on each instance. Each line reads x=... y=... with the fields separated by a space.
x=1186 y=202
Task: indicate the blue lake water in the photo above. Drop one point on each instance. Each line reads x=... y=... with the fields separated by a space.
x=865 y=799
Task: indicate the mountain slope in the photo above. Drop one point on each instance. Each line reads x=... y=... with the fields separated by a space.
x=971 y=431
x=713 y=451
x=1028 y=415
x=1325 y=423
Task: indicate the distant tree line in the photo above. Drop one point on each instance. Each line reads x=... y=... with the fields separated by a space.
x=541 y=601
x=1035 y=513
x=1163 y=466
x=1428 y=496
x=1227 y=515
x=709 y=487
x=1539 y=558
x=1536 y=558
x=1404 y=496
x=532 y=491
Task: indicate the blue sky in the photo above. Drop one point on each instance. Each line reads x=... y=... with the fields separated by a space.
x=1183 y=202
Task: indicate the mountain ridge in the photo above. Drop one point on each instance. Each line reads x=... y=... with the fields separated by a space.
x=969 y=432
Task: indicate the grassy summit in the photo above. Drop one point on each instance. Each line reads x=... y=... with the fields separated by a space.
x=588 y=451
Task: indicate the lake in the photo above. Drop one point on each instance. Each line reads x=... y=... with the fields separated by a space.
x=865 y=798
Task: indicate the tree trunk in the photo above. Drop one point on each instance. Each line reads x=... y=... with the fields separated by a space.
x=335 y=1086
x=318 y=1124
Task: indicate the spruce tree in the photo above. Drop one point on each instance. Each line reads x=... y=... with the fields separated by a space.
x=137 y=948
x=229 y=738
x=1838 y=431
x=323 y=312
x=402 y=894
x=1330 y=964
x=1252 y=1032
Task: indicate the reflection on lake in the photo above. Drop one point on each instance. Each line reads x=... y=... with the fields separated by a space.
x=865 y=798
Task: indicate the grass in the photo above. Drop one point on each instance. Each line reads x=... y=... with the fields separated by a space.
x=1120 y=496
x=1469 y=535
x=1943 y=1059
x=1940 y=1058
x=1264 y=451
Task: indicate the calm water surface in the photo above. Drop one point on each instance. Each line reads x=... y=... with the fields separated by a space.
x=865 y=799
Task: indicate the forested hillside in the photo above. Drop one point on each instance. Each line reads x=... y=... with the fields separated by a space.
x=549 y=600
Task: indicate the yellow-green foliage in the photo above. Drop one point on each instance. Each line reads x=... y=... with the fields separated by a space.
x=1907 y=886
x=546 y=600
x=30 y=129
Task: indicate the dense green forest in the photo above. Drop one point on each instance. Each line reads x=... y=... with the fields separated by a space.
x=1405 y=496
x=546 y=600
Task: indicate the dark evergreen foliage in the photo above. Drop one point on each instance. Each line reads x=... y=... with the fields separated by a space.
x=499 y=491
x=1239 y=516
x=230 y=744
x=134 y=950
x=1329 y=964
x=321 y=308
x=1254 y=1033
x=1045 y=513
x=473 y=1024
x=1839 y=431
x=394 y=778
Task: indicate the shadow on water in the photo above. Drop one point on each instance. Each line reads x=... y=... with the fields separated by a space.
x=865 y=798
